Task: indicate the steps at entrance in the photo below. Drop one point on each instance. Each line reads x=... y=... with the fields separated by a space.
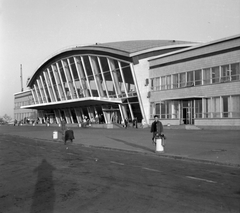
x=187 y=127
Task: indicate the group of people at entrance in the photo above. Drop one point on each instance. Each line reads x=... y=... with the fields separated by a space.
x=134 y=123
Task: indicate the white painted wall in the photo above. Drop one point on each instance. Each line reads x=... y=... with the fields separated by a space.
x=141 y=72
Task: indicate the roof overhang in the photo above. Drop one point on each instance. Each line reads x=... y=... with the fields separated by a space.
x=83 y=102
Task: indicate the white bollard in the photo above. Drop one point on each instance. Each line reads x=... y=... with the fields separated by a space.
x=159 y=145
x=55 y=135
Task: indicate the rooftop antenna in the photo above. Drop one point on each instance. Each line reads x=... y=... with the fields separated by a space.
x=21 y=78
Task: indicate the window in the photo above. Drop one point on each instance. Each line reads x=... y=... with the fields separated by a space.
x=206 y=76
x=168 y=82
x=163 y=110
x=157 y=85
x=190 y=82
x=182 y=79
x=198 y=108
x=216 y=107
x=225 y=106
x=235 y=72
x=175 y=81
x=157 y=109
x=215 y=75
x=198 y=77
x=163 y=83
x=235 y=106
x=225 y=73
x=175 y=109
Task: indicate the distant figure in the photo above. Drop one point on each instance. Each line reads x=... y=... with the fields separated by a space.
x=96 y=119
x=126 y=123
x=15 y=122
x=135 y=124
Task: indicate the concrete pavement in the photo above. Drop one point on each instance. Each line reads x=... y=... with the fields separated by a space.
x=212 y=146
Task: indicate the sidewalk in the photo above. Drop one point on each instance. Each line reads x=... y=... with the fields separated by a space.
x=213 y=146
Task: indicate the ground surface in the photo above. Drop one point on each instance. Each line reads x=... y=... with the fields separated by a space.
x=40 y=176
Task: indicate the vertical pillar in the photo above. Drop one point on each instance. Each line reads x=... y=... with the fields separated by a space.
x=51 y=83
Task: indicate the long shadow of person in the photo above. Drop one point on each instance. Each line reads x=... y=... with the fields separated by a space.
x=44 y=194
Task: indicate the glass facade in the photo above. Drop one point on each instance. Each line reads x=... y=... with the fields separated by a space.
x=87 y=76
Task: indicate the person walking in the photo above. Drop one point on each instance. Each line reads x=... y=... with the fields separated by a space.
x=135 y=123
x=126 y=122
x=156 y=128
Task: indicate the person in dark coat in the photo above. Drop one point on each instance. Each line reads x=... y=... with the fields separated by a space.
x=69 y=135
x=126 y=123
x=156 y=128
x=135 y=123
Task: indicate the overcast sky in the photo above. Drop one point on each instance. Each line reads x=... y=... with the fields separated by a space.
x=31 y=31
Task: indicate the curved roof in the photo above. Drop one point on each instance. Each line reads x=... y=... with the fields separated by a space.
x=122 y=49
x=139 y=45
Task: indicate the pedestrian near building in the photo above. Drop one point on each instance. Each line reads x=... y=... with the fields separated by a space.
x=156 y=128
x=135 y=123
x=126 y=123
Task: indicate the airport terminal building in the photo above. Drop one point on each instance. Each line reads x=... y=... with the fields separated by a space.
x=182 y=82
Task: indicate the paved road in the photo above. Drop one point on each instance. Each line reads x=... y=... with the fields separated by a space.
x=44 y=176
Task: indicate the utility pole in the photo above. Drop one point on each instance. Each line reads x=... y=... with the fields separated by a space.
x=21 y=78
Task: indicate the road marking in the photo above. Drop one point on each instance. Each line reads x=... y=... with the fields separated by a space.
x=153 y=170
x=122 y=164
x=69 y=153
x=195 y=178
x=22 y=144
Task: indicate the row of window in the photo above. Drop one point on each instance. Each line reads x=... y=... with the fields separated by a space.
x=213 y=107
x=213 y=75
x=17 y=105
x=84 y=76
x=22 y=116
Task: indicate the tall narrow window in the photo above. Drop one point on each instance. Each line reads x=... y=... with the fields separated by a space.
x=190 y=79
x=157 y=109
x=235 y=106
x=216 y=107
x=198 y=77
x=168 y=83
x=225 y=106
x=182 y=79
x=157 y=80
x=163 y=82
x=175 y=81
x=215 y=75
x=108 y=78
x=198 y=108
x=235 y=72
x=127 y=74
x=163 y=110
x=225 y=73
x=206 y=76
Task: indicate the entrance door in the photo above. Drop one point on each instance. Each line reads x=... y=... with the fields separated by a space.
x=187 y=112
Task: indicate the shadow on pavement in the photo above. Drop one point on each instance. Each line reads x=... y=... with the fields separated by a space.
x=44 y=194
x=133 y=145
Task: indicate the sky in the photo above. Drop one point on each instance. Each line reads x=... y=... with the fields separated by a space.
x=31 y=31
